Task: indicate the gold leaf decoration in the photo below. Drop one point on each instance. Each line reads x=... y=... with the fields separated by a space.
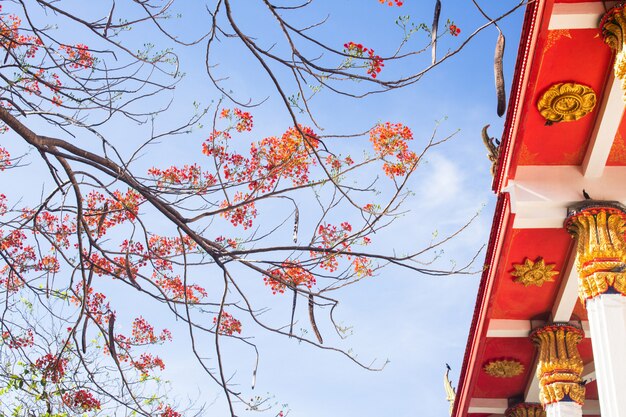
x=560 y=366
x=534 y=273
x=554 y=36
x=566 y=102
x=503 y=368
x=599 y=228
x=613 y=27
x=525 y=410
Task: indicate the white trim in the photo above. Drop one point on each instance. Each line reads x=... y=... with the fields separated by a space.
x=508 y=328
x=577 y=15
x=540 y=195
x=498 y=406
x=607 y=318
x=568 y=292
x=520 y=328
x=488 y=405
x=609 y=115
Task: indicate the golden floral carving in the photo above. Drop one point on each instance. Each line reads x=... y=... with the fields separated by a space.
x=560 y=365
x=601 y=248
x=613 y=26
x=534 y=273
x=504 y=368
x=525 y=410
x=566 y=102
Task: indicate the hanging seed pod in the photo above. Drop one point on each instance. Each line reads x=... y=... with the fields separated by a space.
x=433 y=31
x=499 y=74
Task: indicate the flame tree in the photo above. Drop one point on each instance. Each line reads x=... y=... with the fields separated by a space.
x=119 y=238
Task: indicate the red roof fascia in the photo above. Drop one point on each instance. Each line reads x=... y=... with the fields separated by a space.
x=478 y=330
x=534 y=26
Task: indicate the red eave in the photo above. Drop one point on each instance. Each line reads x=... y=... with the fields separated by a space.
x=545 y=57
x=478 y=331
x=529 y=49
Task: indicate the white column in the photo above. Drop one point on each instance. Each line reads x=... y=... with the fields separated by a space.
x=607 y=322
x=564 y=409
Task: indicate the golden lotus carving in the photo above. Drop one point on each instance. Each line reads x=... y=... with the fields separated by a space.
x=525 y=410
x=566 y=102
x=560 y=365
x=599 y=228
x=613 y=26
x=503 y=368
x=534 y=273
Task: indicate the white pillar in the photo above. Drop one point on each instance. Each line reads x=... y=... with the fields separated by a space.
x=564 y=409
x=607 y=322
x=601 y=261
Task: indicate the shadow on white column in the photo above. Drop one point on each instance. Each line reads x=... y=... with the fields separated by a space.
x=607 y=322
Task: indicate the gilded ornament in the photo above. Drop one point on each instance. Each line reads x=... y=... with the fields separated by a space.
x=599 y=228
x=566 y=102
x=613 y=26
x=534 y=273
x=560 y=366
x=504 y=368
x=525 y=410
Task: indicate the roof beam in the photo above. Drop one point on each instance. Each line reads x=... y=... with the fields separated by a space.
x=577 y=15
x=499 y=405
x=488 y=405
x=521 y=328
x=608 y=118
x=568 y=292
x=508 y=328
x=540 y=195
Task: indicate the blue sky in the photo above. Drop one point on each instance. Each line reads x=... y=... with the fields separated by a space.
x=416 y=322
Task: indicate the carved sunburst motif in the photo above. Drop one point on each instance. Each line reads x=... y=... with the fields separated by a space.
x=534 y=273
x=566 y=102
x=504 y=368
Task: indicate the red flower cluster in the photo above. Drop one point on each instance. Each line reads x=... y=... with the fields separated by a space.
x=11 y=38
x=390 y=3
x=147 y=362
x=143 y=333
x=332 y=236
x=188 y=175
x=104 y=212
x=290 y=273
x=362 y=267
x=48 y=263
x=79 y=55
x=240 y=212
x=60 y=228
x=168 y=411
x=390 y=144
x=177 y=291
x=242 y=118
x=14 y=342
x=23 y=258
x=454 y=30
x=24 y=47
x=52 y=367
x=375 y=62
x=81 y=400
x=228 y=324
x=3 y=204
x=161 y=248
x=96 y=304
x=5 y=159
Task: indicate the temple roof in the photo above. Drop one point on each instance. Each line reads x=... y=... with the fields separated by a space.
x=564 y=132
